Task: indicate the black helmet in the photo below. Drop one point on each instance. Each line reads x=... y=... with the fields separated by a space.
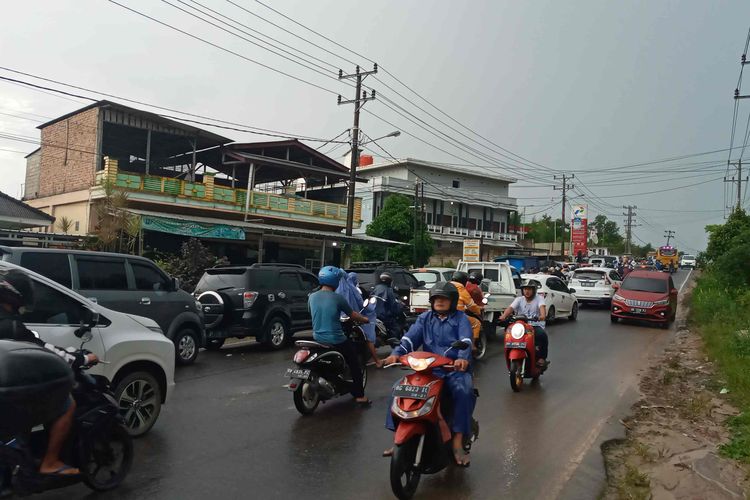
x=447 y=290
x=386 y=278
x=544 y=269
x=460 y=277
x=476 y=277
x=16 y=289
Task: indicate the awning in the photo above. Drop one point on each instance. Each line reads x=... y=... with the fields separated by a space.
x=207 y=227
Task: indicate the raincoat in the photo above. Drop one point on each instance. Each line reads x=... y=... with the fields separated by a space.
x=467 y=304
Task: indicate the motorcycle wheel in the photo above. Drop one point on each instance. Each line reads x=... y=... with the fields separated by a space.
x=481 y=345
x=516 y=377
x=404 y=477
x=106 y=457
x=306 y=398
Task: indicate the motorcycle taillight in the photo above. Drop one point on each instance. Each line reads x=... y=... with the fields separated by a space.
x=301 y=355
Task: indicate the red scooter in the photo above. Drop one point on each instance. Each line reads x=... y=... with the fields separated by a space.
x=422 y=441
x=520 y=352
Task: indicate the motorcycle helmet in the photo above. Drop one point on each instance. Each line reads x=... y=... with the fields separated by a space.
x=532 y=285
x=330 y=276
x=460 y=277
x=447 y=290
x=386 y=278
x=544 y=269
x=17 y=290
x=476 y=277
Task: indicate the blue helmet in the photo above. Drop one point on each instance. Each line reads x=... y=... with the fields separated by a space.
x=330 y=276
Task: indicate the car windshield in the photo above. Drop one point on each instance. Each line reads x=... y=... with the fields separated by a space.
x=587 y=275
x=639 y=284
x=668 y=252
x=429 y=277
x=489 y=274
x=688 y=257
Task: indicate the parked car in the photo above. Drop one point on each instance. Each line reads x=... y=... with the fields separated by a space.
x=139 y=359
x=431 y=275
x=687 y=261
x=645 y=296
x=594 y=285
x=607 y=261
x=265 y=301
x=369 y=276
x=125 y=283
x=559 y=299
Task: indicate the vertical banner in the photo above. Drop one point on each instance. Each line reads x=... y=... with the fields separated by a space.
x=471 y=250
x=580 y=231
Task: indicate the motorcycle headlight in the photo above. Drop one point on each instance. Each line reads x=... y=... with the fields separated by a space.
x=406 y=415
x=517 y=331
x=419 y=364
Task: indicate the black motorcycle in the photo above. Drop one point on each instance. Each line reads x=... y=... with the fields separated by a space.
x=99 y=444
x=322 y=373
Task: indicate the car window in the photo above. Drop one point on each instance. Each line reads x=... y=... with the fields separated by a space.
x=53 y=265
x=53 y=307
x=289 y=281
x=409 y=280
x=101 y=274
x=490 y=274
x=615 y=276
x=429 y=277
x=447 y=275
x=309 y=282
x=147 y=277
x=638 y=284
x=588 y=275
x=671 y=283
x=556 y=285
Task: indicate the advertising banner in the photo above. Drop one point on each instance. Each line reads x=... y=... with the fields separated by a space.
x=580 y=231
x=471 y=251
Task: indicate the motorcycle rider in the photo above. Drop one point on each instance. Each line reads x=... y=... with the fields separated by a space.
x=349 y=289
x=16 y=298
x=435 y=331
x=326 y=307
x=532 y=306
x=474 y=287
x=388 y=307
x=466 y=303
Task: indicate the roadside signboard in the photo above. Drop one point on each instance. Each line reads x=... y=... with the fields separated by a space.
x=471 y=250
x=579 y=230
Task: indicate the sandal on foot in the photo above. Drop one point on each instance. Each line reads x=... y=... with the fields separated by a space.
x=363 y=404
x=460 y=458
x=388 y=453
x=62 y=471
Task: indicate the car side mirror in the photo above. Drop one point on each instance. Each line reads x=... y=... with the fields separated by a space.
x=460 y=345
x=615 y=286
x=572 y=290
x=421 y=283
x=175 y=284
x=674 y=291
x=89 y=319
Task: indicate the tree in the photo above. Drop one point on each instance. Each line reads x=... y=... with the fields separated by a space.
x=720 y=236
x=190 y=263
x=607 y=232
x=396 y=222
x=116 y=230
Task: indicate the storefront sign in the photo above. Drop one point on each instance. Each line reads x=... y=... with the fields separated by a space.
x=471 y=250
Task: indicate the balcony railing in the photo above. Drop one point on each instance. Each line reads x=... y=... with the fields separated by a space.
x=471 y=233
x=209 y=196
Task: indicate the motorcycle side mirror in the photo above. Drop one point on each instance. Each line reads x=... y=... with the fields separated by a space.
x=393 y=342
x=485 y=301
x=460 y=345
x=421 y=283
x=89 y=319
x=371 y=301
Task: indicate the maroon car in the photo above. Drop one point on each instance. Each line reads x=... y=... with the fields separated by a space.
x=646 y=296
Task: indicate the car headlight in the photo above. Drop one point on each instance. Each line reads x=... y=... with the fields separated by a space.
x=618 y=297
x=661 y=302
x=419 y=364
x=517 y=331
x=406 y=415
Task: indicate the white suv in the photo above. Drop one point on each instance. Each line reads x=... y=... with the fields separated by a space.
x=137 y=358
x=687 y=261
x=594 y=284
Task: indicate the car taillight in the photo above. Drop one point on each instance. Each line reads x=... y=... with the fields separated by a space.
x=301 y=356
x=248 y=299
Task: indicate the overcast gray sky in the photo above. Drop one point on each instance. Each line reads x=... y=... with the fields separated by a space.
x=577 y=86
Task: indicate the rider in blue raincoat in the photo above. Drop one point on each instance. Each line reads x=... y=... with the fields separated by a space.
x=435 y=331
x=349 y=289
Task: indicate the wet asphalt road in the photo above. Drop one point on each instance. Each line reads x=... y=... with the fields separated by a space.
x=231 y=430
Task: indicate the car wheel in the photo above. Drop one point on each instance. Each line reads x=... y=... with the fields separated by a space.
x=186 y=345
x=551 y=315
x=614 y=319
x=214 y=344
x=276 y=333
x=139 y=397
x=574 y=312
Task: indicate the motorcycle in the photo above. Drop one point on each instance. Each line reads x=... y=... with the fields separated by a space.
x=99 y=444
x=520 y=352
x=322 y=373
x=422 y=441
x=480 y=343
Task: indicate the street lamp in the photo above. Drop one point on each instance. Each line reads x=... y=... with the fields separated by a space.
x=395 y=133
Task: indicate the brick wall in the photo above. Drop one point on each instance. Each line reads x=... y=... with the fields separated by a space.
x=31 y=186
x=68 y=160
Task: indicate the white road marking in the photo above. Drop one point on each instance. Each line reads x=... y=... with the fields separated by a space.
x=685 y=282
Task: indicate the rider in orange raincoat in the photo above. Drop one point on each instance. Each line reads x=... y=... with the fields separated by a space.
x=466 y=302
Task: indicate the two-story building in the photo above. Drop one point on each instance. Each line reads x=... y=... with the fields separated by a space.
x=457 y=203
x=183 y=181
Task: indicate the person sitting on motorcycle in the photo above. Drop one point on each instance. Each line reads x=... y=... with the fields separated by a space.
x=17 y=297
x=473 y=286
x=435 y=331
x=388 y=307
x=326 y=307
x=532 y=306
x=467 y=304
x=349 y=289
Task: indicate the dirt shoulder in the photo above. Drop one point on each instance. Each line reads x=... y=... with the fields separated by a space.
x=673 y=435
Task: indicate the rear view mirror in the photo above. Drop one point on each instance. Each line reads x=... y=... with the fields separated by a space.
x=175 y=284
x=89 y=318
x=460 y=345
x=572 y=290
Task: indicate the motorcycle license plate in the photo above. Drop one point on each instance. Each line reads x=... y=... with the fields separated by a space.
x=298 y=373
x=411 y=391
x=638 y=310
x=515 y=345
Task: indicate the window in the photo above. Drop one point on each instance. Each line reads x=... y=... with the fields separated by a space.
x=100 y=274
x=309 y=282
x=429 y=277
x=147 y=277
x=456 y=183
x=490 y=274
x=637 y=284
x=289 y=281
x=53 y=265
x=588 y=275
x=53 y=307
x=615 y=276
x=556 y=285
x=78 y=226
x=409 y=280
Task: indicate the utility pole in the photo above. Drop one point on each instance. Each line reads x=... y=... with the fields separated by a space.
x=564 y=188
x=360 y=98
x=416 y=216
x=738 y=180
x=629 y=225
x=668 y=234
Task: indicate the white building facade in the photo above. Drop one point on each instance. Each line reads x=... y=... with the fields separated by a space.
x=458 y=203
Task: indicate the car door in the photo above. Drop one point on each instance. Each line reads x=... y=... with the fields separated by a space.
x=104 y=280
x=558 y=296
x=309 y=285
x=293 y=297
x=56 y=316
x=152 y=291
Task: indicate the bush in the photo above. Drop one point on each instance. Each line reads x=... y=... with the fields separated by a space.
x=190 y=263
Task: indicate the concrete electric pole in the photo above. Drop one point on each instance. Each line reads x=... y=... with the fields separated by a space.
x=739 y=180
x=668 y=234
x=564 y=188
x=629 y=225
x=360 y=98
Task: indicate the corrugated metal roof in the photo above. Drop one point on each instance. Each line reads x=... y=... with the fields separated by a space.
x=15 y=210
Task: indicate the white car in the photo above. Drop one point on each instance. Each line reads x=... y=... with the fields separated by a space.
x=559 y=299
x=687 y=261
x=431 y=275
x=137 y=358
x=595 y=284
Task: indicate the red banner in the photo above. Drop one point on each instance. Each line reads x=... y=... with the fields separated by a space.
x=580 y=231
